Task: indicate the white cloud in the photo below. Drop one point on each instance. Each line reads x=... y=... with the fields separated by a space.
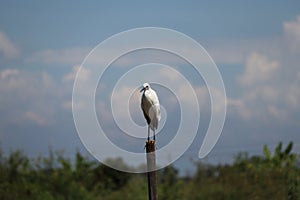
x=292 y=33
x=237 y=106
x=229 y=52
x=235 y=51
x=185 y=93
x=84 y=74
x=67 y=105
x=36 y=118
x=270 y=84
x=276 y=112
x=123 y=97
x=292 y=95
x=8 y=72
x=67 y=87
x=29 y=96
x=258 y=69
x=169 y=74
x=266 y=91
x=232 y=51
x=7 y=47
x=70 y=56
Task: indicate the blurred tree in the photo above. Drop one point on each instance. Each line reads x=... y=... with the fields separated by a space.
x=281 y=158
x=272 y=175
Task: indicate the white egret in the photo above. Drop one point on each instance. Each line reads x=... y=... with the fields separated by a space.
x=151 y=108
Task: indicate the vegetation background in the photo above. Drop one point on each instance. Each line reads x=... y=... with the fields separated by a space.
x=271 y=176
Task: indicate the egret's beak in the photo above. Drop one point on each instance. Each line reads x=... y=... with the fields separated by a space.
x=142 y=89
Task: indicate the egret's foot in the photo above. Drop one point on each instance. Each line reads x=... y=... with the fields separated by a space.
x=150 y=142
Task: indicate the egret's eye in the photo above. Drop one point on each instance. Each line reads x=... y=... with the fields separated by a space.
x=147 y=87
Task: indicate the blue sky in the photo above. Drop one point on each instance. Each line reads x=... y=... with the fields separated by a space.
x=254 y=44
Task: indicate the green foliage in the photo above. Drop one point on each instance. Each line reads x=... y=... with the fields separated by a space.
x=56 y=177
x=271 y=176
x=281 y=158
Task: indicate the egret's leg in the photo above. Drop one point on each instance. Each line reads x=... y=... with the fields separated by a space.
x=154 y=135
x=148 y=133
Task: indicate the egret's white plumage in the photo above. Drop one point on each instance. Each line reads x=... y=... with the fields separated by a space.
x=151 y=108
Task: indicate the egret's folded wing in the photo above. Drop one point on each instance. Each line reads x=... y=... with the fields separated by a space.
x=146 y=107
x=154 y=114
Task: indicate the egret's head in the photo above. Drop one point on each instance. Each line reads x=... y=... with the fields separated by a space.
x=146 y=86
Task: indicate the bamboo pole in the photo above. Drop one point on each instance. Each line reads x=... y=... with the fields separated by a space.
x=151 y=174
